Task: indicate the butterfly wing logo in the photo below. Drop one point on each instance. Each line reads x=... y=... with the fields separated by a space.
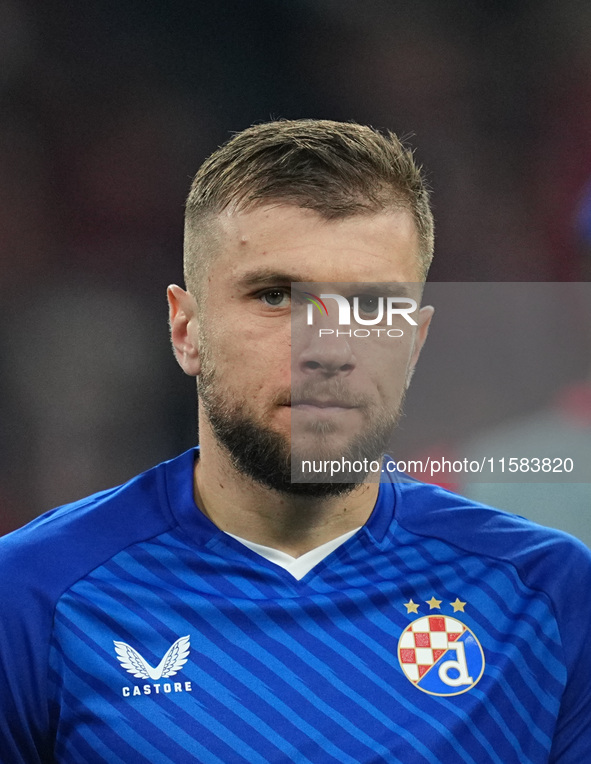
x=173 y=661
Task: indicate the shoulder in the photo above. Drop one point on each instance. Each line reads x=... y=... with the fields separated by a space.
x=49 y=554
x=38 y=564
x=544 y=558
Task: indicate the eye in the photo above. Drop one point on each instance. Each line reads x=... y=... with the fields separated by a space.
x=367 y=303
x=275 y=298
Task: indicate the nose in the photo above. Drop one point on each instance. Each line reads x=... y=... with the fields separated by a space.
x=327 y=353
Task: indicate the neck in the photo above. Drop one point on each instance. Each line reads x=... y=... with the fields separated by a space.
x=293 y=524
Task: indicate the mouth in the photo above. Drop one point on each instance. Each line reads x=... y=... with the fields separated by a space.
x=319 y=403
x=321 y=409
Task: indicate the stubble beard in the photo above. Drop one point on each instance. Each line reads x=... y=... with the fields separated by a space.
x=265 y=455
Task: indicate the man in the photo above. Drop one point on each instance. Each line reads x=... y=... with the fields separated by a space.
x=214 y=609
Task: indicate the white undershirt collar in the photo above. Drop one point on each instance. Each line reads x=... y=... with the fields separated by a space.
x=297 y=566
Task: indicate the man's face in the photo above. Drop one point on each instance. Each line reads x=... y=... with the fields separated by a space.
x=271 y=389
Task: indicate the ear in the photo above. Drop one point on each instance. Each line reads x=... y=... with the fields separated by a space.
x=425 y=316
x=184 y=329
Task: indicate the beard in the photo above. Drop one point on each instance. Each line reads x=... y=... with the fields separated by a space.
x=269 y=458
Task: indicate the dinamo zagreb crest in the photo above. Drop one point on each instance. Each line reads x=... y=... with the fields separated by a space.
x=440 y=655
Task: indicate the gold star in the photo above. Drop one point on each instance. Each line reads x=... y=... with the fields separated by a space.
x=434 y=604
x=457 y=605
x=411 y=607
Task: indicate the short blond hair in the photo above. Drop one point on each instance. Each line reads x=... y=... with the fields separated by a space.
x=338 y=169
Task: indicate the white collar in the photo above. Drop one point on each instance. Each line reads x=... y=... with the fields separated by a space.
x=297 y=566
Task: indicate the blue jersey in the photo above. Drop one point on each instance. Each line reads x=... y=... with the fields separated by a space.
x=133 y=629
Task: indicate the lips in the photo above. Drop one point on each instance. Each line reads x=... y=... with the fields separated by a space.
x=322 y=403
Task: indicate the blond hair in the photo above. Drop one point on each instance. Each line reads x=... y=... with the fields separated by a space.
x=338 y=169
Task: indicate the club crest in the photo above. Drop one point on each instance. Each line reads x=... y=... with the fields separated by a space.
x=440 y=655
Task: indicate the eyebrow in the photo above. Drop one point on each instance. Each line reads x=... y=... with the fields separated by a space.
x=383 y=288
x=270 y=277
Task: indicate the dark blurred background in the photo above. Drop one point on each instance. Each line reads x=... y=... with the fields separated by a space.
x=108 y=108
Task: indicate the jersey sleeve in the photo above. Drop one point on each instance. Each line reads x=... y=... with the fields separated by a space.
x=572 y=737
x=25 y=628
x=38 y=564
